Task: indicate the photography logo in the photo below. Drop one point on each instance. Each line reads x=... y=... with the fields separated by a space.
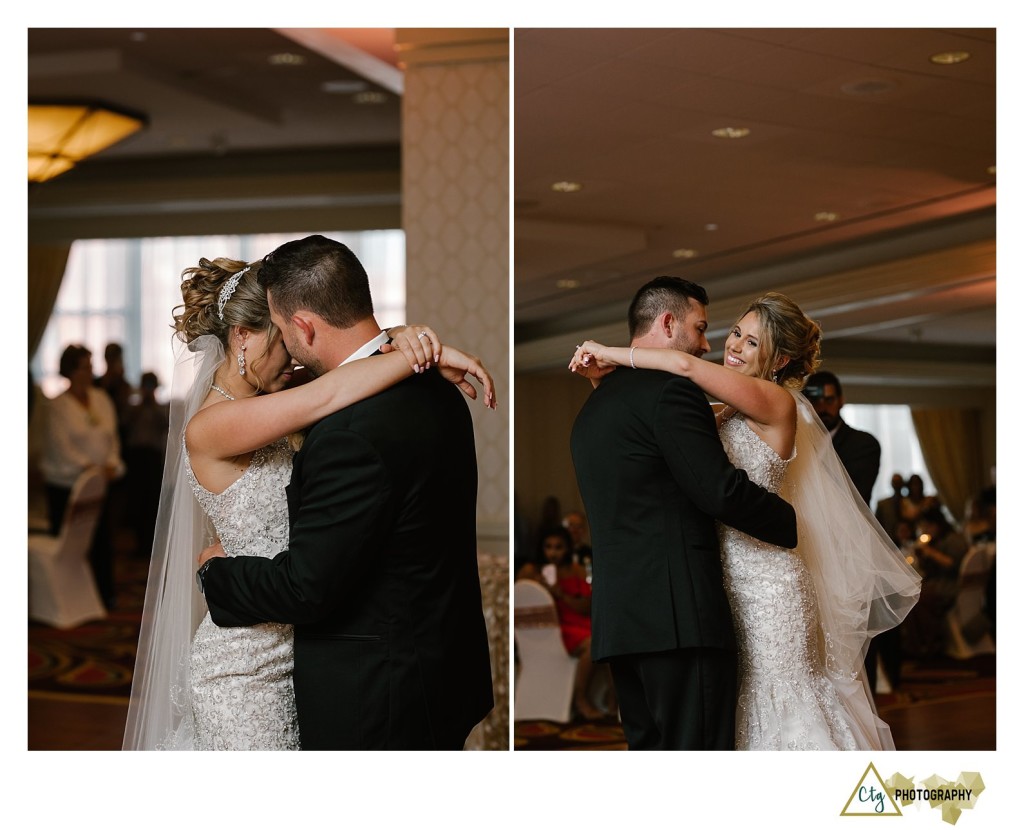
x=874 y=797
x=870 y=797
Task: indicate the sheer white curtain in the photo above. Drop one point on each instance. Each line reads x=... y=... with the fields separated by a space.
x=893 y=426
x=124 y=290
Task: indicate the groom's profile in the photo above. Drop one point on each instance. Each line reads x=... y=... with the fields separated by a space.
x=654 y=478
x=380 y=574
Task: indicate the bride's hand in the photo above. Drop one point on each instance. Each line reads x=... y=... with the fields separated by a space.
x=455 y=365
x=590 y=362
x=420 y=345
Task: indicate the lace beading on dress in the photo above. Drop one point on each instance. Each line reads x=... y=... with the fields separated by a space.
x=785 y=699
x=242 y=695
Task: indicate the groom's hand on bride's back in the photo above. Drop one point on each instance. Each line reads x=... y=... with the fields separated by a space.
x=216 y=549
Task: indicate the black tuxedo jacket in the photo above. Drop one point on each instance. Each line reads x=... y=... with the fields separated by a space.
x=654 y=477
x=861 y=454
x=380 y=576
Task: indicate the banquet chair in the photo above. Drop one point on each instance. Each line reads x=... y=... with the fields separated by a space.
x=547 y=673
x=968 y=627
x=61 y=588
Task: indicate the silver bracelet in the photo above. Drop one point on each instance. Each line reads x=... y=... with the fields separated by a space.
x=632 y=365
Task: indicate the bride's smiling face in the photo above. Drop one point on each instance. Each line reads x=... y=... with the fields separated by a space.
x=743 y=345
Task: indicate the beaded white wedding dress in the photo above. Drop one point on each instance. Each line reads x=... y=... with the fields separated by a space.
x=241 y=678
x=786 y=700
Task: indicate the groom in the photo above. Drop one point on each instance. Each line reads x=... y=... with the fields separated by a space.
x=654 y=478
x=380 y=575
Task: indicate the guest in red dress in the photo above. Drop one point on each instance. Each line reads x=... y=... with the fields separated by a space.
x=566 y=581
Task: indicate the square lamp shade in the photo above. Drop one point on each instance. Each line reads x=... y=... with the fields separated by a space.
x=60 y=136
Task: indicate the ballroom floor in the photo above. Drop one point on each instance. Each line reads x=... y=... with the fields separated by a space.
x=80 y=680
x=944 y=704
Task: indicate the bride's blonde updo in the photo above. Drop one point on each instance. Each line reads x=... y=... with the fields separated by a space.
x=200 y=292
x=785 y=332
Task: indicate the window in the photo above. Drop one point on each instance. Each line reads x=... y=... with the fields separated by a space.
x=901 y=452
x=124 y=290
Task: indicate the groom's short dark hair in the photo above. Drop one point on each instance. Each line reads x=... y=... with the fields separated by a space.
x=321 y=275
x=662 y=294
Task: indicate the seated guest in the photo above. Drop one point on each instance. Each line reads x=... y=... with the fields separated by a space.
x=980 y=522
x=576 y=523
x=566 y=581
x=940 y=550
x=82 y=433
x=915 y=502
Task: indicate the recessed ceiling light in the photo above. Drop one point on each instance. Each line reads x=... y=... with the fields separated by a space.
x=566 y=187
x=684 y=253
x=731 y=132
x=991 y=170
x=370 y=97
x=711 y=226
x=343 y=87
x=286 y=59
x=825 y=216
x=946 y=58
x=566 y=284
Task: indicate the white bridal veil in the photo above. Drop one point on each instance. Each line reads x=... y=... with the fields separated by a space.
x=160 y=713
x=863 y=582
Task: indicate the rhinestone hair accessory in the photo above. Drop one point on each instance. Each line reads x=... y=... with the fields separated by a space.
x=228 y=290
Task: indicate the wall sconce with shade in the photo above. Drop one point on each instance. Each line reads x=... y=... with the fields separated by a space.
x=61 y=135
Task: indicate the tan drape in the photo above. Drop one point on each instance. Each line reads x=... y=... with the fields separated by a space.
x=46 y=264
x=951 y=444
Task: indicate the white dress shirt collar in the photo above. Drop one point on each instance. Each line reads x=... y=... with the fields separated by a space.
x=367 y=348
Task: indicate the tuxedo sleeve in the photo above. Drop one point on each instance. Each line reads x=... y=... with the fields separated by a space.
x=685 y=430
x=344 y=492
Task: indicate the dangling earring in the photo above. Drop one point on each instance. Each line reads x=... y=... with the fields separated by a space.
x=241 y=361
x=775 y=376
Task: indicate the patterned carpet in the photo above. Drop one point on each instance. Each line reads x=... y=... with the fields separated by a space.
x=939 y=679
x=544 y=735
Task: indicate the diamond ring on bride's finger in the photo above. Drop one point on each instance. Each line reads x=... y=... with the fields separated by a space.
x=422 y=334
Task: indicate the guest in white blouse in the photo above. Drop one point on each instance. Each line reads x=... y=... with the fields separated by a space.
x=81 y=433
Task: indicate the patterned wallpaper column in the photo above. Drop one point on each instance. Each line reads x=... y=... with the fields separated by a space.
x=455 y=174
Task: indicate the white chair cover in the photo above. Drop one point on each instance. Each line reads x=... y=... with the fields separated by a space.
x=61 y=588
x=544 y=683
x=968 y=627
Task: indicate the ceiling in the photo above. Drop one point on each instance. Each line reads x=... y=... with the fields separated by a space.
x=852 y=122
x=865 y=188
x=247 y=129
x=219 y=91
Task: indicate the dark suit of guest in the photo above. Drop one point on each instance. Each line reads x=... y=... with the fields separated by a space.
x=380 y=576
x=654 y=477
x=861 y=454
x=888 y=514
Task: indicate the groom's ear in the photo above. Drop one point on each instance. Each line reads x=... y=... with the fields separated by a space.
x=666 y=323
x=306 y=327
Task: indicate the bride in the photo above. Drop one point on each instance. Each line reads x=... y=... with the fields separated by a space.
x=803 y=618
x=197 y=686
